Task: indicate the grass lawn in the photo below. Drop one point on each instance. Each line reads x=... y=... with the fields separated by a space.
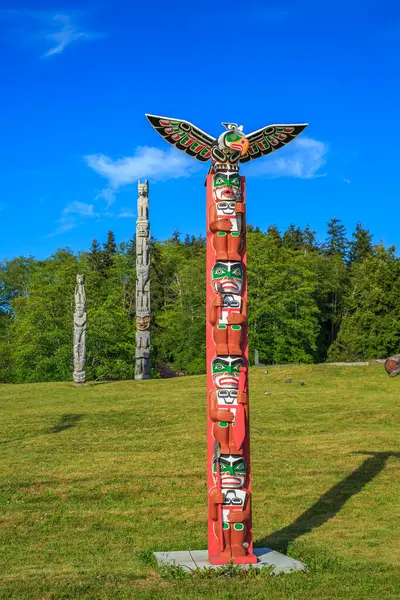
x=94 y=479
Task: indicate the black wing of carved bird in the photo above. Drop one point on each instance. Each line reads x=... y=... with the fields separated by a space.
x=197 y=143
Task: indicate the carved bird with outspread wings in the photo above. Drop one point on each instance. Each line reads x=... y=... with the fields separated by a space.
x=231 y=147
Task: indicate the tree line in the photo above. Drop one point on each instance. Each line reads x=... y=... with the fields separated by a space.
x=308 y=302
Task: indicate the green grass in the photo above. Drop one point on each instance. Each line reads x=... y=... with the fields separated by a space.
x=94 y=479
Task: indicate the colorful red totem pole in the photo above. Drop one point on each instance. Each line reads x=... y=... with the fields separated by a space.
x=228 y=462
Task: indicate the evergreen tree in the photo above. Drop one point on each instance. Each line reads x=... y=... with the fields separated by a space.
x=336 y=242
x=361 y=245
x=252 y=228
x=95 y=257
x=371 y=323
x=293 y=238
x=176 y=236
x=109 y=251
x=274 y=233
x=309 y=243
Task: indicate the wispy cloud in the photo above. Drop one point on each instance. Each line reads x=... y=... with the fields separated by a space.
x=302 y=158
x=69 y=218
x=126 y=214
x=66 y=32
x=108 y=195
x=80 y=208
x=56 y=30
x=146 y=162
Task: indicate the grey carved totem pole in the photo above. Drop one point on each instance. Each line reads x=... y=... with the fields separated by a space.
x=142 y=370
x=80 y=320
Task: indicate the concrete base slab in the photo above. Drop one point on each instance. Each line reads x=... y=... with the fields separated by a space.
x=190 y=560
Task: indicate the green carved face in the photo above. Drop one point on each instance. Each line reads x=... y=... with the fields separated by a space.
x=233 y=471
x=227 y=276
x=226 y=371
x=226 y=186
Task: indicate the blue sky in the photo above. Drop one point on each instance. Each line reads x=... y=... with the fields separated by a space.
x=77 y=78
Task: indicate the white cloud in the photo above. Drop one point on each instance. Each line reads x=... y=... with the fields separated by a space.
x=126 y=214
x=347 y=180
x=108 y=195
x=69 y=217
x=66 y=33
x=57 y=30
x=80 y=208
x=302 y=158
x=146 y=162
x=66 y=223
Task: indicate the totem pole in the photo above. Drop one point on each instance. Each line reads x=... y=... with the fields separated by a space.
x=142 y=367
x=80 y=320
x=228 y=468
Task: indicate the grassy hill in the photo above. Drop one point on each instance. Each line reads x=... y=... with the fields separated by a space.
x=94 y=479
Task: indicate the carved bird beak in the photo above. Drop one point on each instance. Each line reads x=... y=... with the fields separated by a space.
x=242 y=145
x=245 y=146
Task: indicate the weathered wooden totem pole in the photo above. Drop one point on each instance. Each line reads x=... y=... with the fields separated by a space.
x=80 y=321
x=228 y=470
x=142 y=367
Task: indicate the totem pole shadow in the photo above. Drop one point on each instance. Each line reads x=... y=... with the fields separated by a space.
x=66 y=422
x=330 y=503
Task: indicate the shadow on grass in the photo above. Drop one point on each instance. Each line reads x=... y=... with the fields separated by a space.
x=66 y=422
x=330 y=503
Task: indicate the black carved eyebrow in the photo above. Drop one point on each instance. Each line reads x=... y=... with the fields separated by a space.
x=237 y=361
x=220 y=360
x=221 y=263
x=234 y=264
x=239 y=462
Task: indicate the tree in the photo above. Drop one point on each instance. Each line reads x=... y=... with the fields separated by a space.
x=371 y=323
x=336 y=242
x=275 y=235
x=283 y=312
x=109 y=251
x=361 y=245
x=95 y=257
x=293 y=237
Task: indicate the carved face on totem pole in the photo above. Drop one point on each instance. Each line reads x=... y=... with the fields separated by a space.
x=226 y=371
x=142 y=228
x=80 y=279
x=233 y=471
x=143 y=323
x=143 y=188
x=226 y=188
x=227 y=277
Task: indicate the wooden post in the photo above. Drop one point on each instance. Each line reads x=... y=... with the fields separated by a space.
x=142 y=367
x=80 y=321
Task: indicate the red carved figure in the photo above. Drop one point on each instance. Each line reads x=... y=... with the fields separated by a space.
x=230 y=523
x=228 y=309
x=226 y=215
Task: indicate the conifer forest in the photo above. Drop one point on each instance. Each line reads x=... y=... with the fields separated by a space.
x=309 y=302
